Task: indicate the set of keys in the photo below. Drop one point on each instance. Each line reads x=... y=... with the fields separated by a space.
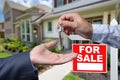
x=72 y=37
x=60 y=30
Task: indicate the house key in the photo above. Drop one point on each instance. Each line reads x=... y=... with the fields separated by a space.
x=60 y=30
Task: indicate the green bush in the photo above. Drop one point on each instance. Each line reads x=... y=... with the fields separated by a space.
x=15 y=44
x=14 y=40
x=25 y=49
x=3 y=40
x=47 y=40
x=71 y=76
x=33 y=44
x=2 y=48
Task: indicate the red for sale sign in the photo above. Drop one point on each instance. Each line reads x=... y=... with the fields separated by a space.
x=90 y=58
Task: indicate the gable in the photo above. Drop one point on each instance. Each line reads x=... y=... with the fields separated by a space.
x=6 y=7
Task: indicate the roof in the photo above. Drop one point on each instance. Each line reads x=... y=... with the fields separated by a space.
x=40 y=18
x=45 y=8
x=16 y=5
x=80 y=9
x=37 y=16
x=40 y=7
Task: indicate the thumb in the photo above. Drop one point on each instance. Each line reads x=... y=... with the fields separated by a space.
x=50 y=44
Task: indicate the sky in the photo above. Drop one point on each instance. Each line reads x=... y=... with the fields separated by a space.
x=27 y=3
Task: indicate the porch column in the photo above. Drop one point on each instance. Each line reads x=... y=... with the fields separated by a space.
x=105 y=17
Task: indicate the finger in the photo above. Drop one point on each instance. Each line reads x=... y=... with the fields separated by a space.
x=50 y=44
x=66 y=23
x=68 y=17
x=68 y=30
x=63 y=58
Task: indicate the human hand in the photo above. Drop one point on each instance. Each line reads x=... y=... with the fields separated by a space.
x=73 y=22
x=41 y=55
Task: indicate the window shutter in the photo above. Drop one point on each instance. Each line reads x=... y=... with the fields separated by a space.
x=64 y=2
x=55 y=3
x=69 y=1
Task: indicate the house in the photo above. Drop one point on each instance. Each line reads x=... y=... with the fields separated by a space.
x=2 y=29
x=22 y=22
x=95 y=11
x=30 y=29
x=11 y=10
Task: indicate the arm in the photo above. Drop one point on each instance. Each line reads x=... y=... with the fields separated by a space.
x=17 y=67
x=20 y=66
x=107 y=34
x=73 y=22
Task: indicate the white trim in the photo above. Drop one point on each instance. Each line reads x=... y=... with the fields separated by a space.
x=31 y=35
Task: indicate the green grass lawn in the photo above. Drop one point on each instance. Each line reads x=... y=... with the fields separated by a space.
x=70 y=76
x=4 y=55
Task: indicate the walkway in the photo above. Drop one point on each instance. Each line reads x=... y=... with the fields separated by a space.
x=58 y=72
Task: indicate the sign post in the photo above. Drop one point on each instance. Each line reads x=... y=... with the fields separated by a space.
x=91 y=58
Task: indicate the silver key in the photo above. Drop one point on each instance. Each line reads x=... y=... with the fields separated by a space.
x=60 y=30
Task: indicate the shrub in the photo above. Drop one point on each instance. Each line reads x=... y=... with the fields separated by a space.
x=2 y=48
x=33 y=44
x=14 y=40
x=3 y=40
x=6 y=46
x=47 y=40
x=25 y=49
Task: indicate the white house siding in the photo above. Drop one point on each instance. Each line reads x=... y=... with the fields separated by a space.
x=53 y=33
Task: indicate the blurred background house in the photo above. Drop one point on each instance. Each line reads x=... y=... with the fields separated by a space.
x=21 y=22
x=11 y=10
x=40 y=22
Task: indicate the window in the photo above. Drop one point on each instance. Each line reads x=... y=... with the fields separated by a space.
x=59 y=2
x=49 y=26
x=74 y=0
x=97 y=21
x=25 y=28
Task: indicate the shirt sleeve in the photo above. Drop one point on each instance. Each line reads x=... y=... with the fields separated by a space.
x=107 y=34
x=17 y=67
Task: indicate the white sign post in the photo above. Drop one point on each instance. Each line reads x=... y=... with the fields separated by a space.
x=114 y=64
x=114 y=59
